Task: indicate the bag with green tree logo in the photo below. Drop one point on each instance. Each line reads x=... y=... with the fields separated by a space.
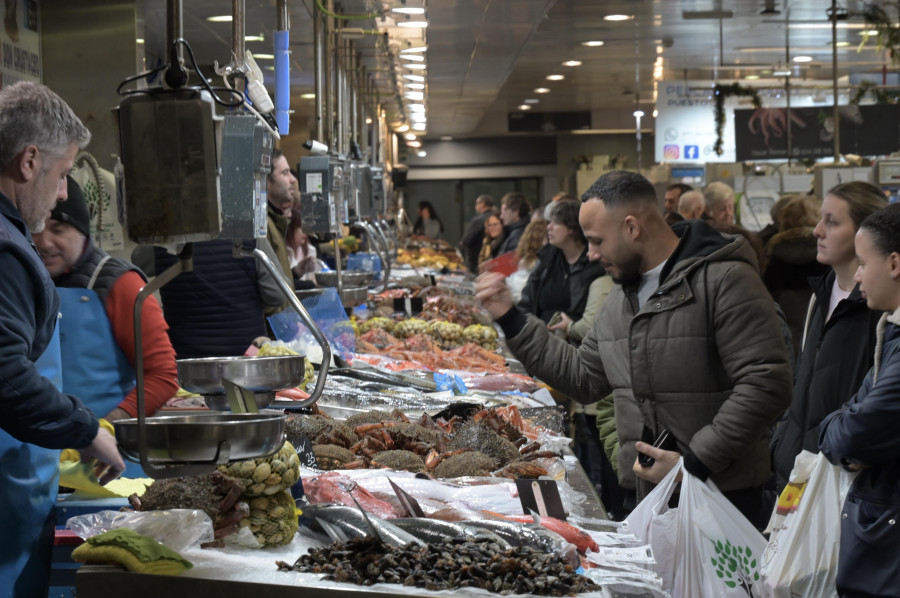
x=719 y=549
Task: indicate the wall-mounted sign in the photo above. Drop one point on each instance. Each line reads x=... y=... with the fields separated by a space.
x=685 y=124
x=865 y=130
x=20 y=43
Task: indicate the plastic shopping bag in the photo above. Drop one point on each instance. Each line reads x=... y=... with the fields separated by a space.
x=719 y=550
x=802 y=555
x=654 y=523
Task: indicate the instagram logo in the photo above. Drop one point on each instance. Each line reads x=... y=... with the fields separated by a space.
x=670 y=152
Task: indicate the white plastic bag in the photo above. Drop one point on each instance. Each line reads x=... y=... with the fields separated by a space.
x=178 y=529
x=719 y=551
x=655 y=524
x=802 y=555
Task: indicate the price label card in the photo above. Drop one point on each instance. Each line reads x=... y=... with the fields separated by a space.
x=306 y=454
x=541 y=497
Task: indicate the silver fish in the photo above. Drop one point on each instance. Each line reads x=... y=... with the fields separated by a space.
x=434 y=531
x=350 y=522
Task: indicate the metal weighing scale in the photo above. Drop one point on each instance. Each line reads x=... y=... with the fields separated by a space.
x=189 y=174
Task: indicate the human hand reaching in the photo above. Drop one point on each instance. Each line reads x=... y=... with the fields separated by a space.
x=109 y=464
x=494 y=295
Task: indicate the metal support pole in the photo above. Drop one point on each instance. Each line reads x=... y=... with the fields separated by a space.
x=330 y=68
x=319 y=49
x=787 y=79
x=836 y=114
x=238 y=44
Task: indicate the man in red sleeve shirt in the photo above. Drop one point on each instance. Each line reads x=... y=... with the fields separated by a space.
x=96 y=326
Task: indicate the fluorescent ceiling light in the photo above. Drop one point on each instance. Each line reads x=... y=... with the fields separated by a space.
x=555 y=77
x=869 y=32
x=255 y=38
x=264 y=56
x=139 y=40
x=530 y=101
x=418 y=78
x=418 y=117
x=417 y=107
x=752 y=77
x=414 y=95
x=413 y=57
x=523 y=107
x=409 y=10
x=421 y=153
x=219 y=19
x=419 y=126
x=618 y=17
x=572 y=63
x=802 y=58
x=592 y=44
x=410 y=136
x=308 y=96
x=826 y=26
x=402 y=129
x=415 y=66
x=415 y=86
x=841 y=44
x=446 y=138
x=781 y=73
x=414 y=143
x=412 y=24
x=541 y=90
x=638 y=113
x=368 y=120
x=413 y=49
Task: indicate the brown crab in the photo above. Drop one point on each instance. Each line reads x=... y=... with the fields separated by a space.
x=331 y=456
x=520 y=469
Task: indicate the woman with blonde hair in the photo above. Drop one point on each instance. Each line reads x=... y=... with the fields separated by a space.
x=838 y=336
x=533 y=239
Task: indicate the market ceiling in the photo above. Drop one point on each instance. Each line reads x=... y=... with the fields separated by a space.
x=486 y=58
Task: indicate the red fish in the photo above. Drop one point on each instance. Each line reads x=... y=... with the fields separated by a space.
x=582 y=540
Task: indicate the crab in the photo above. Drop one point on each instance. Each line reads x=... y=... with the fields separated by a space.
x=520 y=469
x=215 y=493
x=331 y=456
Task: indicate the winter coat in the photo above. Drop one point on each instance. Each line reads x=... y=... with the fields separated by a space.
x=32 y=409
x=864 y=431
x=490 y=248
x=472 y=240
x=792 y=260
x=598 y=291
x=216 y=310
x=275 y=233
x=704 y=357
x=831 y=367
x=555 y=285
x=512 y=234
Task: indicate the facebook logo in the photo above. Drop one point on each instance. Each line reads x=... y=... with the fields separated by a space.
x=691 y=152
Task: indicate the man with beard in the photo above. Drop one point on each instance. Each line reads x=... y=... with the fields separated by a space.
x=279 y=190
x=689 y=342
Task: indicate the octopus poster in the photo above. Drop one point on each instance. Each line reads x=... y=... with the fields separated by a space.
x=761 y=134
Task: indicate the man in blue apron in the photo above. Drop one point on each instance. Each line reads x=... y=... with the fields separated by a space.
x=97 y=294
x=39 y=137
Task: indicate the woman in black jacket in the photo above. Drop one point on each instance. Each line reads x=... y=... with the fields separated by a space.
x=839 y=335
x=560 y=280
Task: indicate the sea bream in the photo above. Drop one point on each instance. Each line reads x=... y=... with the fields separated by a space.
x=351 y=522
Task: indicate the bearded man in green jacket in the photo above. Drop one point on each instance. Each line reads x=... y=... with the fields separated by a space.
x=688 y=341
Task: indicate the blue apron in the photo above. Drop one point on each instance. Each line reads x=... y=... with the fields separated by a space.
x=27 y=498
x=95 y=368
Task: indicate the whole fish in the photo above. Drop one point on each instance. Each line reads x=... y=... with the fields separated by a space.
x=352 y=523
x=518 y=534
x=433 y=531
x=582 y=540
x=514 y=533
